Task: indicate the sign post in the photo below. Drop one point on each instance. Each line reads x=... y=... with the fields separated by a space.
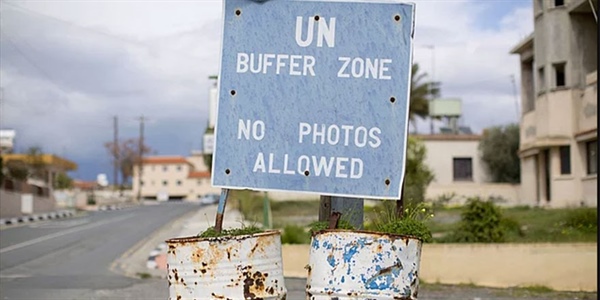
x=313 y=97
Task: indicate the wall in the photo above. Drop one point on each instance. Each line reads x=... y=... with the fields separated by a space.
x=563 y=267
x=10 y=204
x=43 y=204
x=510 y=193
x=440 y=154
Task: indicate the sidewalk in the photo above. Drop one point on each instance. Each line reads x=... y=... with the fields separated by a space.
x=63 y=213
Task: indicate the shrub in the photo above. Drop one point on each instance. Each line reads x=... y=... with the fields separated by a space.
x=322 y=225
x=418 y=175
x=481 y=222
x=294 y=234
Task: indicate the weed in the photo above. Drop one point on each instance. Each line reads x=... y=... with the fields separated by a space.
x=143 y=275
x=294 y=234
x=211 y=232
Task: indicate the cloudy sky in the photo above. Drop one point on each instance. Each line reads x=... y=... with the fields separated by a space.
x=68 y=67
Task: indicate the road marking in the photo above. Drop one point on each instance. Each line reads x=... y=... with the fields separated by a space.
x=61 y=233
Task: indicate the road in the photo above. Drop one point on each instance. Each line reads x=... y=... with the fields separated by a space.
x=71 y=258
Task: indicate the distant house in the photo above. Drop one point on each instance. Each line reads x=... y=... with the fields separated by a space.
x=33 y=195
x=173 y=177
x=459 y=171
x=559 y=107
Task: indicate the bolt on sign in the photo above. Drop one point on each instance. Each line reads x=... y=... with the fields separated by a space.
x=313 y=97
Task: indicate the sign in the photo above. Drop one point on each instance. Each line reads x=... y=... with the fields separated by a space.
x=208 y=143
x=313 y=97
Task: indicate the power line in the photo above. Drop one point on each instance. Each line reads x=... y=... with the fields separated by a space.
x=31 y=62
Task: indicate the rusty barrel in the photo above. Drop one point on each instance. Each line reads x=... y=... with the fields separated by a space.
x=229 y=267
x=347 y=264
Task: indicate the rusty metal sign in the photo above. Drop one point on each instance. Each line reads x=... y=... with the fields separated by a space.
x=313 y=97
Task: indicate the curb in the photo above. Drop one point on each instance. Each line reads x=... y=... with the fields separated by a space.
x=38 y=217
x=151 y=262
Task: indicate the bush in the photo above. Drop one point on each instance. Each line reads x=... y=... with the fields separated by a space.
x=482 y=222
x=418 y=175
x=211 y=232
x=294 y=234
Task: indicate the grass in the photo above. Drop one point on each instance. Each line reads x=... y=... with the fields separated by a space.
x=529 y=224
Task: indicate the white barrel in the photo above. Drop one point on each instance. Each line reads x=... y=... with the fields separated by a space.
x=347 y=264
x=231 y=267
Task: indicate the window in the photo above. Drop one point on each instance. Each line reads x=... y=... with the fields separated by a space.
x=463 y=168
x=178 y=168
x=541 y=80
x=165 y=168
x=559 y=75
x=558 y=3
x=199 y=181
x=540 y=5
x=565 y=159
x=527 y=81
x=592 y=157
x=165 y=182
x=142 y=183
x=178 y=182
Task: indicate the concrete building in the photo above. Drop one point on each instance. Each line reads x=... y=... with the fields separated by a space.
x=558 y=139
x=7 y=140
x=459 y=171
x=173 y=178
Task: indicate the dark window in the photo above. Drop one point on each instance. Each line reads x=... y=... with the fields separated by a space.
x=592 y=157
x=463 y=168
x=178 y=182
x=565 y=159
x=559 y=3
x=541 y=80
x=559 y=74
x=165 y=182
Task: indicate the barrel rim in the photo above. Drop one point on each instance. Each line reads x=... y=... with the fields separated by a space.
x=392 y=236
x=195 y=239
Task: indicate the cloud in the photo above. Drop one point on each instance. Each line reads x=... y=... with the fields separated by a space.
x=68 y=67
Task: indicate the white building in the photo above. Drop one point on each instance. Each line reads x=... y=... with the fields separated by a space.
x=456 y=163
x=7 y=140
x=559 y=90
x=177 y=177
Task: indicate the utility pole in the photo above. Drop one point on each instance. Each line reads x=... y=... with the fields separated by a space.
x=141 y=158
x=116 y=152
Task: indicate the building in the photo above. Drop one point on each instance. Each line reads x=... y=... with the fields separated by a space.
x=7 y=140
x=173 y=178
x=20 y=196
x=558 y=139
x=459 y=171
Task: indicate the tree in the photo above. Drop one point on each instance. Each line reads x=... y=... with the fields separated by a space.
x=420 y=94
x=128 y=154
x=36 y=162
x=499 y=148
x=63 y=181
x=417 y=174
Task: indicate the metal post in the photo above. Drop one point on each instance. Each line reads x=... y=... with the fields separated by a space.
x=351 y=209
x=221 y=210
x=267 y=224
x=141 y=159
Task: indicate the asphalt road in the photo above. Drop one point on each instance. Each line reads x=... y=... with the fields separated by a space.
x=71 y=258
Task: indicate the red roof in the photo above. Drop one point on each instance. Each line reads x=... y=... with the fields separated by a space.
x=164 y=160
x=84 y=185
x=202 y=174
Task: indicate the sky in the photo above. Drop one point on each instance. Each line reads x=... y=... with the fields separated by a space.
x=67 y=68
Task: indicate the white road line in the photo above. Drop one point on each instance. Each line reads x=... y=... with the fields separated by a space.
x=61 y=233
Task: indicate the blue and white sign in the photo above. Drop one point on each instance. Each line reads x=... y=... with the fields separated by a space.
x=313 y=97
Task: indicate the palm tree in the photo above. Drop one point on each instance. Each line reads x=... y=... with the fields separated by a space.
x=420 y=95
